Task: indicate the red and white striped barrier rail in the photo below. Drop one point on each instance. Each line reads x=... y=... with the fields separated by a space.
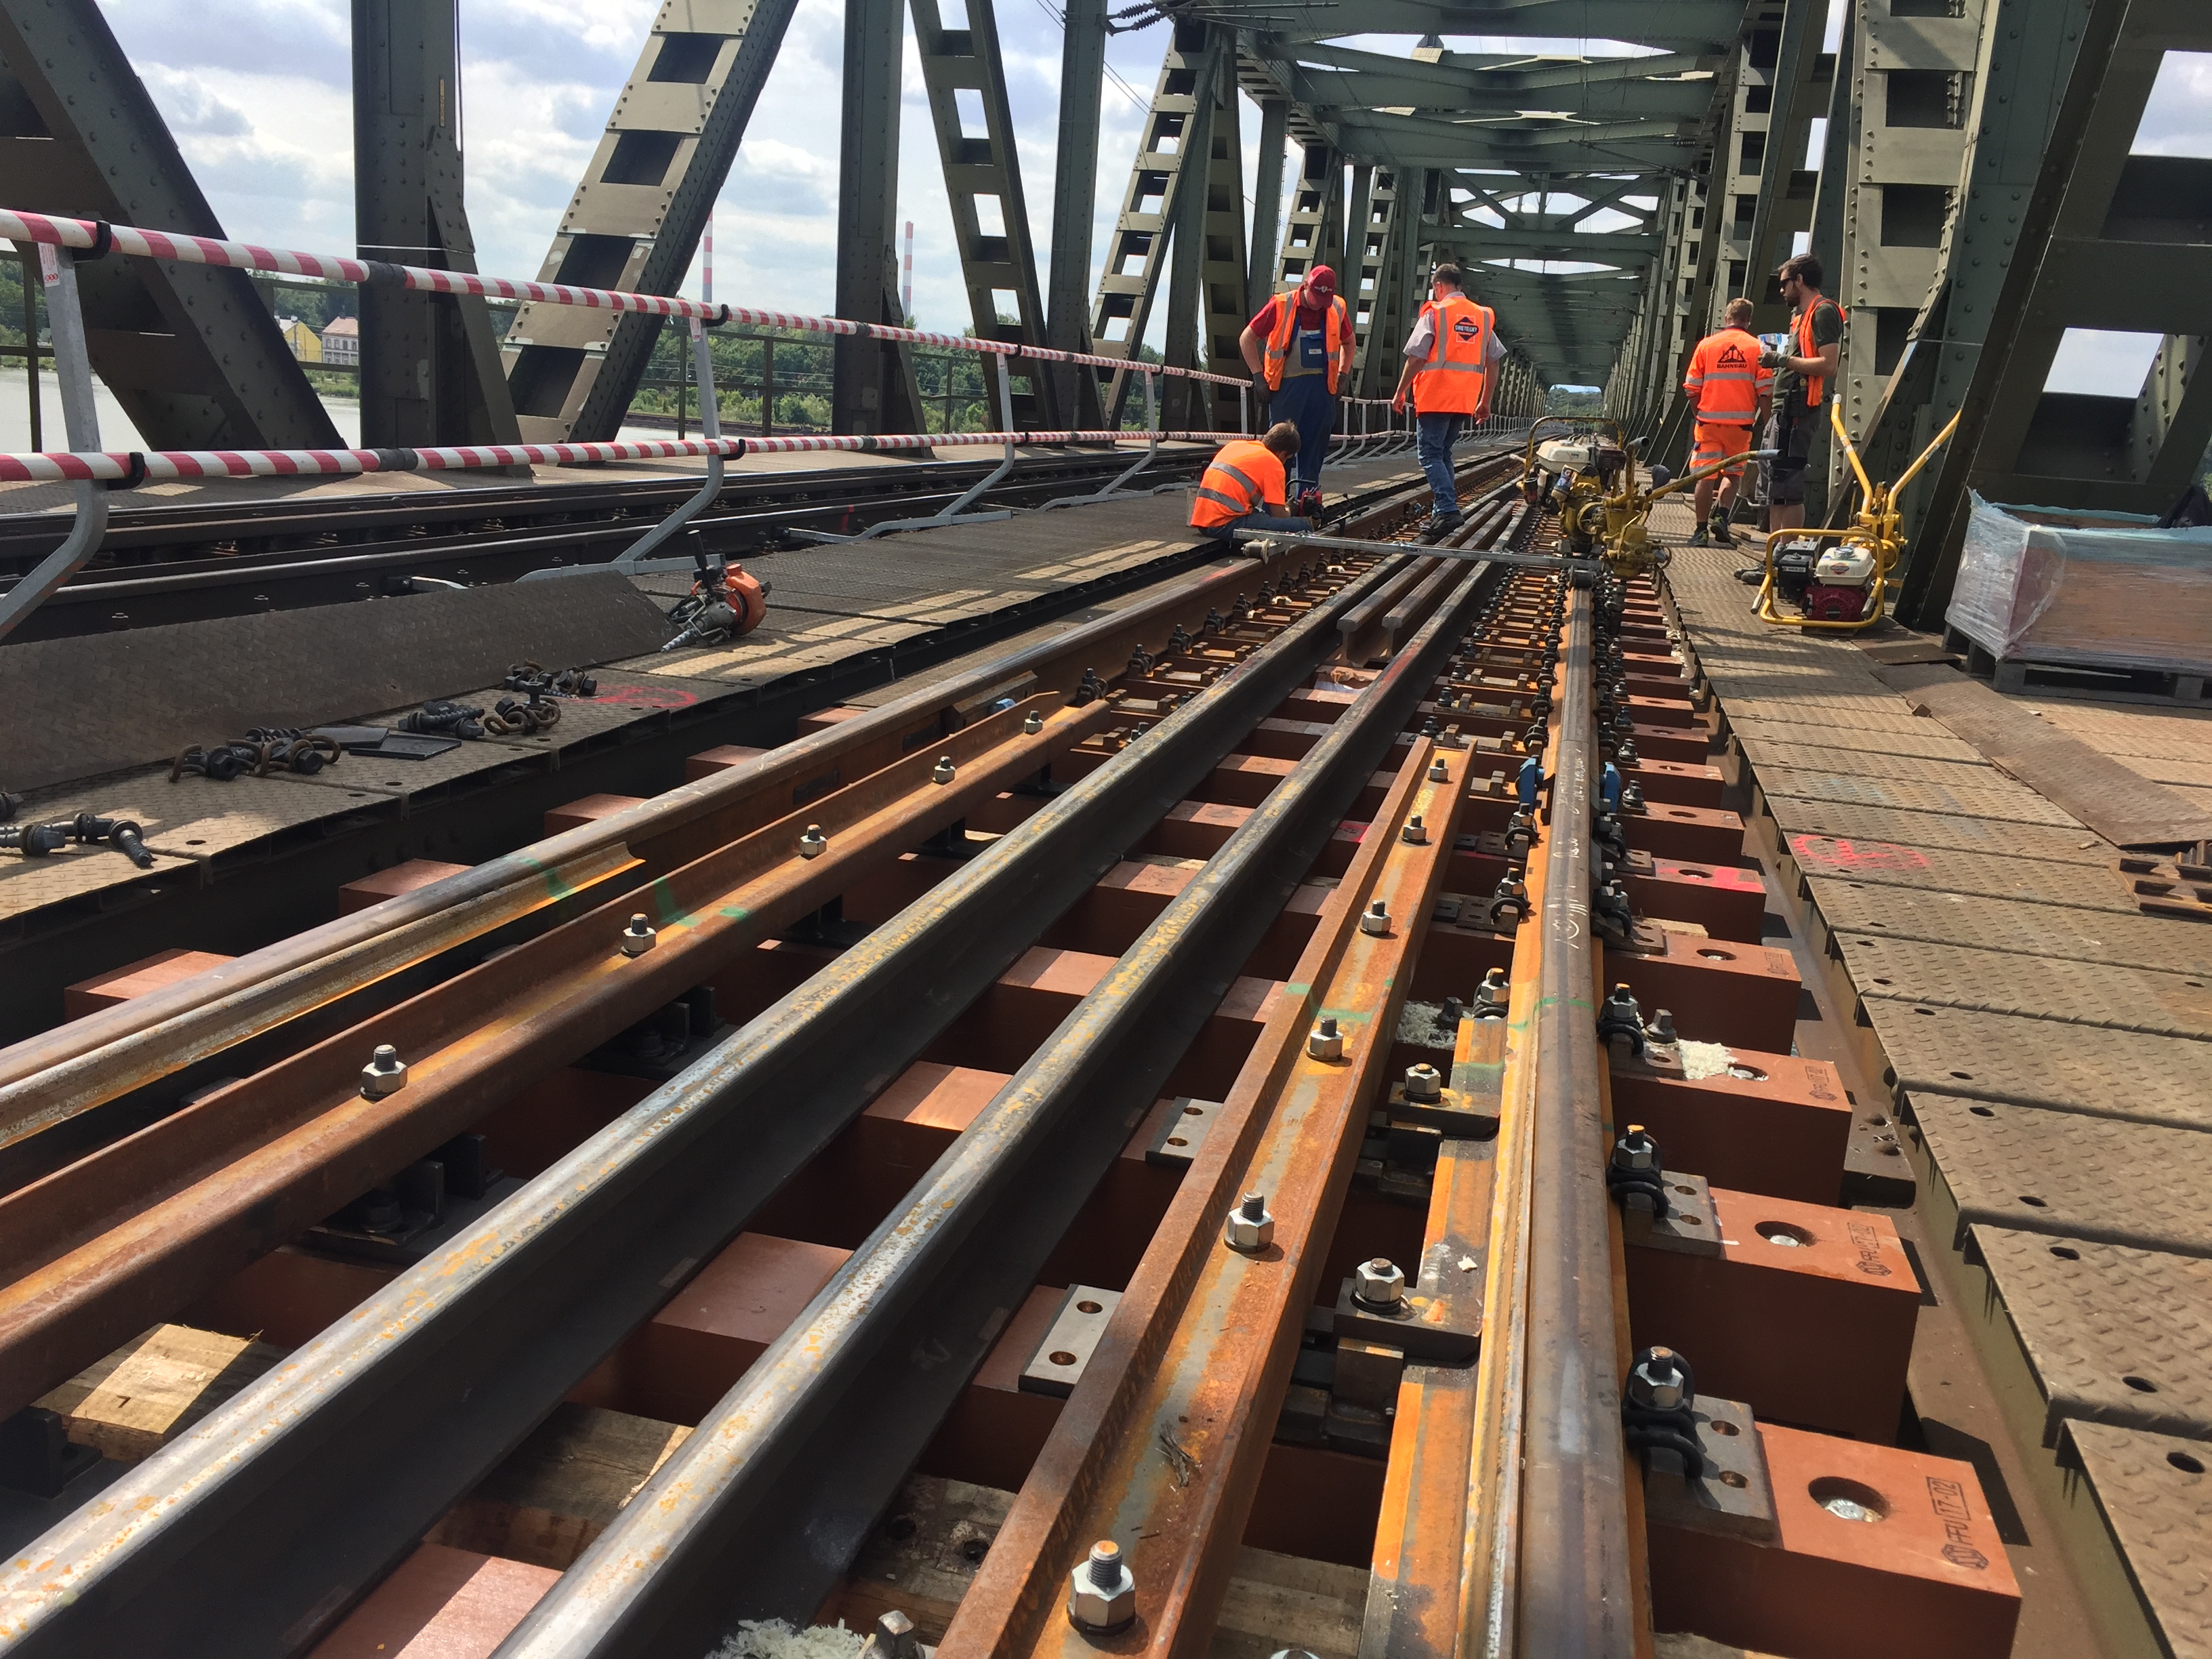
x=95 y=237
x=131 y=468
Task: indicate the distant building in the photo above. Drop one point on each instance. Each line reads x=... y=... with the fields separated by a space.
x=306 y=345
x=342 y=341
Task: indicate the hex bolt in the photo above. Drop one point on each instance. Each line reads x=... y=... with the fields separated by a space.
x=1658 y=1382
x=942 y=772
x=638 y=937
x=1376 y=919
x=1661 y=1028
x=384 y=1074
x=1416 y=833
x=1325 y=1041
x=1636 y=1149
x=1492 y=995
x=1102 y=1594
x=1032 y=723
x=1439 y=772
x=1425 y=1085
x=1379 y=1285
x=1250 y=1226
x=813 y=843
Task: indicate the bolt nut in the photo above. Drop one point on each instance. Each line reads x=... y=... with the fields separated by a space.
x=384 y=1074
x=1101 y=1594
x=638 y=937
x=1032 y=723
x=1439 y=772
x=1325 y=1041
x=942 y=772
x=1251 y=1224
x=1425 y=1085
x=1379 y=1283
x=1635 y=1150
x=812 y=843
x=1376 y=919
x=1416 y=833
x=1661 y=1028
x=1657 y=1383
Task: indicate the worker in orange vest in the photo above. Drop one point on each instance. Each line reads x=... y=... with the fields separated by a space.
x=1448 y=361
x=1800 y=381
x=1245 y=487
x=1728 y=389
x=1299 y=351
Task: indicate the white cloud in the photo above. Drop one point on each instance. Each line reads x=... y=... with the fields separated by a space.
x=2177 y=120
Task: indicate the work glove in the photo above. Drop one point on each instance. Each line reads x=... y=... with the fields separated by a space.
x=1770 y=358
x=1261 y=393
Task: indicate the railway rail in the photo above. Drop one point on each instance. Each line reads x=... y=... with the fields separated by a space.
x=1196 y=1096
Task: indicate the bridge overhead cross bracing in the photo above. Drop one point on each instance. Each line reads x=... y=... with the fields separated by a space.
x=1555 y=138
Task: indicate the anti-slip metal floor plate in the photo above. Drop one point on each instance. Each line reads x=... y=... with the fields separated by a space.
x=1937 y=829
x=2155 y=1491
x=2071 y=1176
x=2033 y=930
x=2049 y=988
x=2112 y=1334
x=2128 y=1075
x=1780 y=742
x=1911 y=789
x=1941 y=870
x=1868 y=728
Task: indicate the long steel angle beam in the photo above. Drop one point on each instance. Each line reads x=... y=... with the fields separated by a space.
x=980 y=169
x=1075 y=189
x=683 y=110
x=1140 y=235
x=762 y=1510
x=1789 y=86
x=1223 y=270
x=317 y=1476
x=190 y=352
x=1187 y=338
x=1267 y=203
x=873 y=388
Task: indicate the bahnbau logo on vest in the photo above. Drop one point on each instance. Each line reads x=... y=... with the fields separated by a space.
x=1732 y=356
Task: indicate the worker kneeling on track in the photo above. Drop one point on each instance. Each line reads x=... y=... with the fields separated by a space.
x=1729 y=390
x=1245 y=486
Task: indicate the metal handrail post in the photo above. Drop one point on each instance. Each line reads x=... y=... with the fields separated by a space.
x=1114 y=490
x=80 y=420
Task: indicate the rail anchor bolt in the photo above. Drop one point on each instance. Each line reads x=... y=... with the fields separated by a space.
x=1101 y=1594
x=1661 y=1028
x=1251 y=1224
x=1325 y=1041
x=1439 y=773
x=1379 y=1285
x=813 y=842
x=1376 y=919
x=1416 y=833
x=942 y=772
x=1032 y=723
x=638 y=937
x=1425 y=1083
x=384 y=1074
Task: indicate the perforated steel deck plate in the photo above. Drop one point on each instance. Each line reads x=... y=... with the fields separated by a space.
x=2044 y=987
x=2156 y=1494
x=2130 y=1075
x=1934 y=830
x=1943 y=870
x=2112 y=1334
x=2062 y=1173
x=2033 y=930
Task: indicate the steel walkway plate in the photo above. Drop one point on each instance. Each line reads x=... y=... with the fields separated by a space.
x=2027 y=881
x=1932 y=830
x=1774 y=743
x=2039 y=987
x=1867 y=728
x=2035 y=930
x=1914 y=792
x=2128 y=1075
x=2071 y=1176
x=2112 y=1334
x=2156 y=1491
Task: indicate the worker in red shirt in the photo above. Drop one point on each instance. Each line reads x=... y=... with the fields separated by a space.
x=1299 y=351
x=1729 y=392
x=1245 y=487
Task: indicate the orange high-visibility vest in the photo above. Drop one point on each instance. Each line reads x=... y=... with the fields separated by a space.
x=1458 y=369
x=1725 y=380
x=1815 y=384
x=1243 y=478
x=1338 y=342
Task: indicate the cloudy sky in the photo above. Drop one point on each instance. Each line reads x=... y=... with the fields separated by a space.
x=258 y=95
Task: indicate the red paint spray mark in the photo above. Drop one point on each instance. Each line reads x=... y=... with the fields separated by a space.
x=1841 y=854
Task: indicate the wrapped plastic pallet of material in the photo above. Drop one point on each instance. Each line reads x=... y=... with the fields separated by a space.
x=2107 y=589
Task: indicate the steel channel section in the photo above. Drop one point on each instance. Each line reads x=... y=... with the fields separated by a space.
x=244 y=1537
x=1574 y=1573
x=762 y=1510
x=103 y=1056
x=1200 y=1347
x=146 y=1224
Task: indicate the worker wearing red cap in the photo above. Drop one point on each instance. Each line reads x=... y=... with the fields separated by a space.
x=1299 y=351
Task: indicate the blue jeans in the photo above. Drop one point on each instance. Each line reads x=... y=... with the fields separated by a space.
x=1222 y=533
x=1433 y=444
x=1304 y=402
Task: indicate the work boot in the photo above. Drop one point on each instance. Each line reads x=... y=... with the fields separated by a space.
x=1437 y=526
x=1719 y=526
x=1698 y=538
